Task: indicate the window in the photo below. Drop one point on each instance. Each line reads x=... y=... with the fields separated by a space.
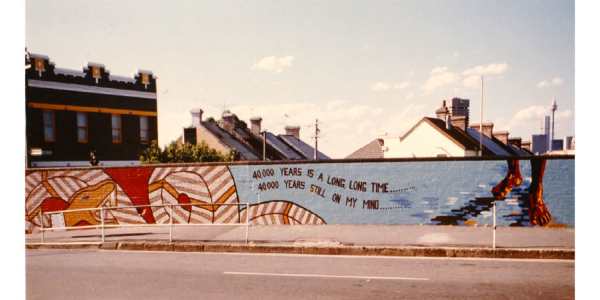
x=144 y=129
x=49 y=127
x=116 y=129
x=82 y=127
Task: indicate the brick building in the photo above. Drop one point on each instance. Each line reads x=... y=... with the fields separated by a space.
x=70 y=113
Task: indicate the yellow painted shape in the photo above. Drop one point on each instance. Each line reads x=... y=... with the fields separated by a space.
x=88 y=197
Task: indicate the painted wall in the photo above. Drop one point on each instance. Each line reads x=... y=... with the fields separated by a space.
x=458 y=192
x=413 y=145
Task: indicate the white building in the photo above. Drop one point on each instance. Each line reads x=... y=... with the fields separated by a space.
x=447 y=135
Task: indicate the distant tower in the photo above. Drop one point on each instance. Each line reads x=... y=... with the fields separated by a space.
x=547 y=134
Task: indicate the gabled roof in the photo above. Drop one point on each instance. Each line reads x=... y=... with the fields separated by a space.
x=283 y=148
x=250 y=145
x=245 y=152
x=490 y=144
x=370 y=150
x=459 y=137
x=301 y=147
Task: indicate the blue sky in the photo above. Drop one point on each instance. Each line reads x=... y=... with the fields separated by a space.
x=364 y=68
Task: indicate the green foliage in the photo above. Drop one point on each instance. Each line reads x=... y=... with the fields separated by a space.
x=183 y=153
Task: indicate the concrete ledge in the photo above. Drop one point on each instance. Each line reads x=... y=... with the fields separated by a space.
x=321 y=250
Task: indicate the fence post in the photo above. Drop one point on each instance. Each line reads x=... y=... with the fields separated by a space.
x=170 y=223
x=247 y=221
x=102 y=222
x=494 y=226
x=42 y=223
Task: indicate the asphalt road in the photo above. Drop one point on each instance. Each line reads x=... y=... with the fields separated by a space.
x=94 y=274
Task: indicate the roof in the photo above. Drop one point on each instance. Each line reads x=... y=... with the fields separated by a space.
x=301 y=147
x=490 y=144
x=282 y=147
x=460 y=137
x=370 y=150
x=250 y=145
x=225 y=137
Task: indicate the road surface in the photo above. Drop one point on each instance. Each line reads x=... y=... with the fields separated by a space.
x=97 y=274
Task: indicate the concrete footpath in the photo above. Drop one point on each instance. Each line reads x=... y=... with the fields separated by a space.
x=385 y=240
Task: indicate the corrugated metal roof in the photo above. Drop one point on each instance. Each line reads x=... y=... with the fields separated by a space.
x=488 y=143
x=282 y=147
x=303 y=148
x=244 y=151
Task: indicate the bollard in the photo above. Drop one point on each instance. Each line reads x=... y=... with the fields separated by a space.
x=42 y=223
x=102 y=223
x=247 y=221
x=494 y=226
x=170 y=223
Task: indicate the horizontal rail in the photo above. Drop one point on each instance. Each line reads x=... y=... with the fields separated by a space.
x=136 y=206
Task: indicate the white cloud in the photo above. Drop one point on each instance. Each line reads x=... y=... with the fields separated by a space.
x=543 y=84
x=274 y=64
x=439 y=77
x=382 y=86
x=472 y=81
x=472 y=76
x=556 y=81
x=529 y=120
x=483 y=70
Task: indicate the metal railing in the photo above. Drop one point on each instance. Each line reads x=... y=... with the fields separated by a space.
x=170 y=224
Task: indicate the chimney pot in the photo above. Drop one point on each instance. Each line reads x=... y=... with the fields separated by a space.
x=255 y=125
x=502 y=136
x=515 y=141
x=488 y=128
x=293 y=130
x=196 y=117
x=459 y=121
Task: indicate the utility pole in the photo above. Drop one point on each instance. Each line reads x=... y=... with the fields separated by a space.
x=316 y=139
x=264 y=140
x=554 y=107
x=481 y=120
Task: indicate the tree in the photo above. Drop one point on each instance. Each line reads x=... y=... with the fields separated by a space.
x=181 y=153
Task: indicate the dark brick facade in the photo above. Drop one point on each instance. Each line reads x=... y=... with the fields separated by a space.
x=97 y=97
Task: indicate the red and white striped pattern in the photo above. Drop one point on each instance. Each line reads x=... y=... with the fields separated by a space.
x=208 y=184
x=280 y=213
x=123 y=215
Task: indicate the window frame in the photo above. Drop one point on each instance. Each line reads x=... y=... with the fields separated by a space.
x=146 y=130
x=52 y=120
x=119 y=129
x=79 y=127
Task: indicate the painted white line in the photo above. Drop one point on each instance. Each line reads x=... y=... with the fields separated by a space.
x=324 y=276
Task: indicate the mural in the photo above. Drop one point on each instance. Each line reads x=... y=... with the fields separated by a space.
x=445 y=192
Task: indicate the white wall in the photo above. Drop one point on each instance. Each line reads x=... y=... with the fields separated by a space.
x=423 y=141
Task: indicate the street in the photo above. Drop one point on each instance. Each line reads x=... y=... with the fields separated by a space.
x=97 y=274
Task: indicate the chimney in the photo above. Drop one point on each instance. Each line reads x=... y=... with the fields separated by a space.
x=255 y=125
x=442 y=112
x=526 y=145
x=502 y=136
x=459 y=121
x=145 y=78
x=228 y=121
x=96 y=72
x=488 y=128
x=515 y=141
x=196 y=117
x=460 y=107
x=293 y=130
x=41 y=63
